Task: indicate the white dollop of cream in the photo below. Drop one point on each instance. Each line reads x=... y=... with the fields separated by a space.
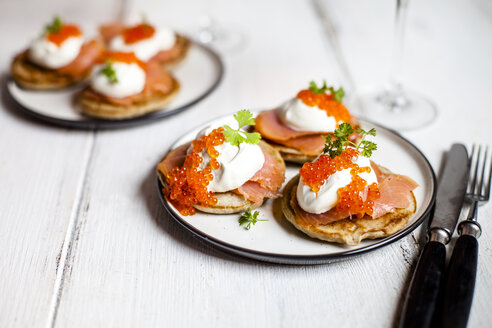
x=49 y=55
x=327 y=196
x=238 y=164
x=297 y=115
x=131 y=80
x=163 y=39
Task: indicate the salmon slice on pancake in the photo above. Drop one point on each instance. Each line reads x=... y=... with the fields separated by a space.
x=56 y=59
x=344 y=197
x=133 y=88
x=298 y=128
x=169 y=56
x=224 y=170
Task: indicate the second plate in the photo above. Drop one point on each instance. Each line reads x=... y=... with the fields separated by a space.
x=199 y=74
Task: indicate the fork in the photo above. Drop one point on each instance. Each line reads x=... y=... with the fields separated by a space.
x=462 y=269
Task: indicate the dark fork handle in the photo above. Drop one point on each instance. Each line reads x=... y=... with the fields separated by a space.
x=460 y=282
x=422 y=295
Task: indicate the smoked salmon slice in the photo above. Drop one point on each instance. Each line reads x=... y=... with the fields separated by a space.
x=309 y=145
x=268 y=124
x=253 y=191
x=109 y=31
x=175 y=157
x=158 y=80
x=271 y=175
x=83 y=63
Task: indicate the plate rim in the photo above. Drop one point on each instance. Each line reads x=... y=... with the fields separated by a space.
x=307 y=259
x=94 y=123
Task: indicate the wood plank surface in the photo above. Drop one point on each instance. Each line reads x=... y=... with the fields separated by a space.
x=86 y=243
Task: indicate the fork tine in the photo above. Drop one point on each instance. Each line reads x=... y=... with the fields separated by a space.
x=474 y=161
x=487 y=186
x=480 y=191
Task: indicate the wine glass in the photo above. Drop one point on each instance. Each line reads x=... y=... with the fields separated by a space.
x=395 y=106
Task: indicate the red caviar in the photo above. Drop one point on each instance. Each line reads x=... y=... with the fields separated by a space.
x=325 y=102
x=356 y=198
x=65 y=32
x=187 y=185
x=137 y=33
x=123 y=57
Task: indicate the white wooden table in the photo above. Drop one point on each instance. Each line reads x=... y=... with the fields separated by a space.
x=84 y=241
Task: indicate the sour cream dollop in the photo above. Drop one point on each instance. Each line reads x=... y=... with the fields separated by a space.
x=327 y=196
x=131 y=80
x=163 y=39
x=297 y=115
x=49 y=55
x=238 y=164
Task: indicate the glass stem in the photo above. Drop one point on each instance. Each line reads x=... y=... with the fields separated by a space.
x=396 y=62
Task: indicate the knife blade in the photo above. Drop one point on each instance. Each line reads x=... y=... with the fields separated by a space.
x=451 y=191
x=421 y=298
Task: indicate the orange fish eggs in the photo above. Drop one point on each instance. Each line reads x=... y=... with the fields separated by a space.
x=325 y=102
x=138 y=33
x=65 y=32
x=356 y=198
x=187 y=186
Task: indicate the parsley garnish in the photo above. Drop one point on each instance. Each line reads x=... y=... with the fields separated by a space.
x=247 y=218
x=335 y=147
x=317 y=90
x=109 y=72
x=338 y=94
x=55 y=26
x=366 y=147
x=235 y=137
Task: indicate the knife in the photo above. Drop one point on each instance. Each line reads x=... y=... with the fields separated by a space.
x=421 y=298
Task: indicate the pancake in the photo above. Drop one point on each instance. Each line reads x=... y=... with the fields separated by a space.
x=105 y=109
x=348 y=231
x=227 y=202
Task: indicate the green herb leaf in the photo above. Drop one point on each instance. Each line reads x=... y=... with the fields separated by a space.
x=232 y=136
x=317 y=90
x=366 y=147
x=337 y=94
x=248 y=218
x=109 y=72
x=335 y=147
x=236 y=136
x=55 y=26
x=371 y=132
x=344 y=131
x=253 y=138
x=244 y=117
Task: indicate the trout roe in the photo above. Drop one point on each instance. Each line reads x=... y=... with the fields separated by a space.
x=65 y=32
x=138 y=33
x=325 y=102
x=187 y=185
x=356 y=198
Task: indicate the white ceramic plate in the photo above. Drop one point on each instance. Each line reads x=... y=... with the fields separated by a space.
x=276 y=240
x=198 y=74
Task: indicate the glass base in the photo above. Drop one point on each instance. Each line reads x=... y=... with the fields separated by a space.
x=400 y=110
x=212 y=34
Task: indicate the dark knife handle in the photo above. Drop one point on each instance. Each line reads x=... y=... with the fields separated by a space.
x=460 y=282
x=422 y=296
